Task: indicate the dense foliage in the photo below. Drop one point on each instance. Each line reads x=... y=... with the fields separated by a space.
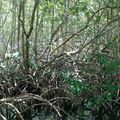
x=60 y=59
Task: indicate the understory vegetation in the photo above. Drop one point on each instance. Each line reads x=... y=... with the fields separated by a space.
x=60 y=60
